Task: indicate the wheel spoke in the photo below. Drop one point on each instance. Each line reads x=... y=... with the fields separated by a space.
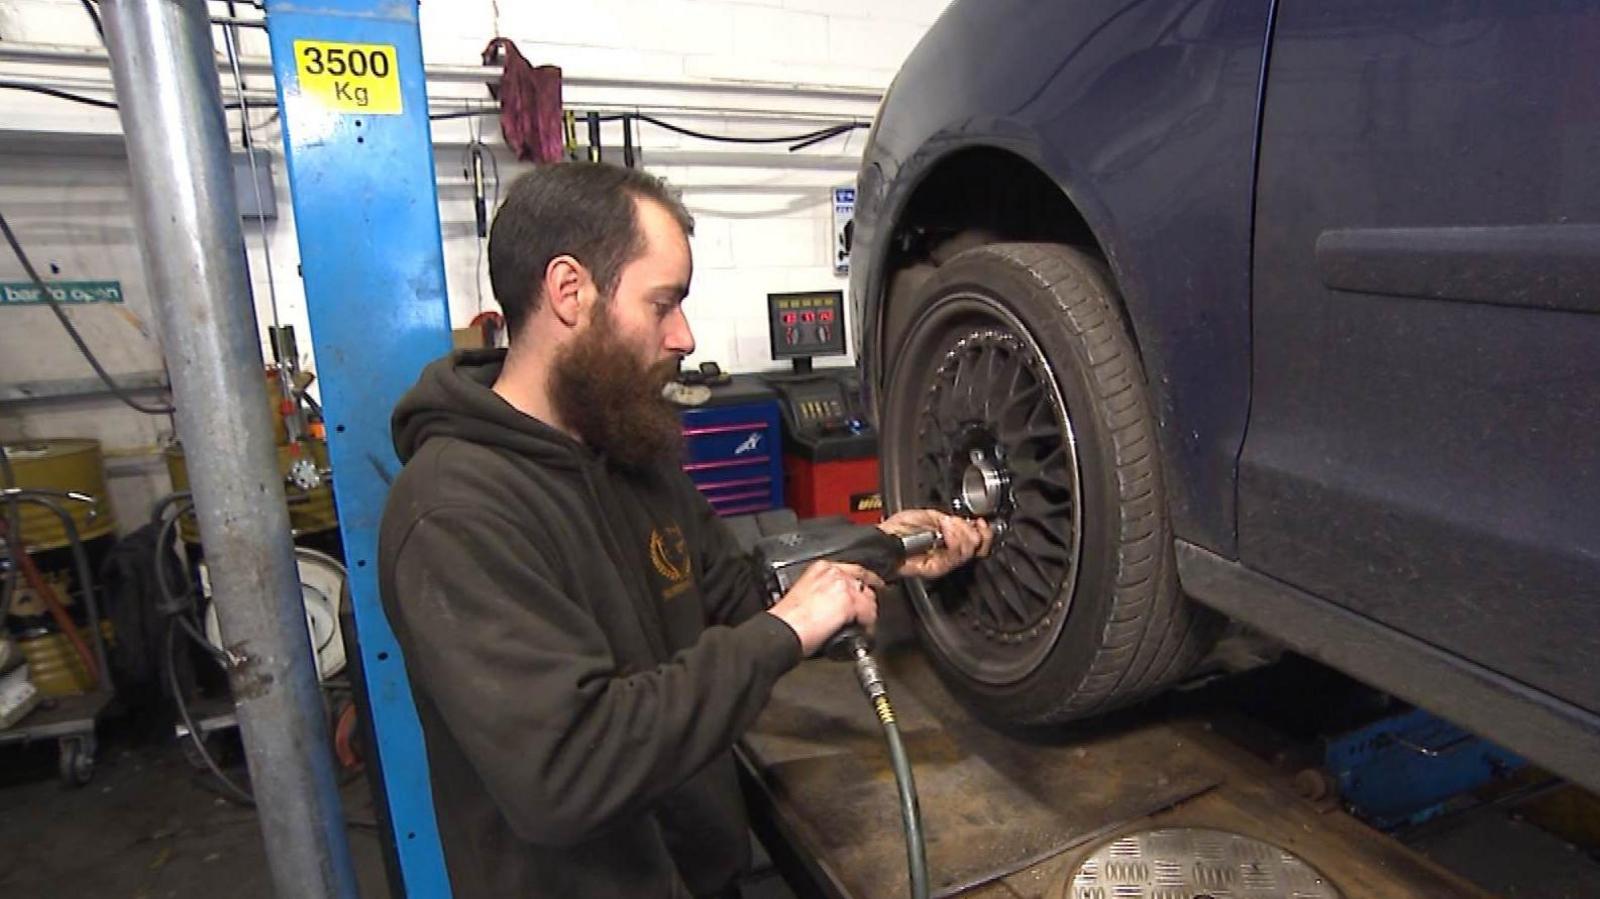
x=1025 y=615
x=972 y=386
x=991 y=599
x=1019 y=365
x=1039 y=528
x=1033 y=503
x=1016 y=599
x=1035 y=482
x=1046 y=583
x=991 y=382
x=1028 y=573
x=949 y=413
x=1042 y=549
x=1022 y=398
x=1041 y=423
x=1013 y=417
x=1042 y=470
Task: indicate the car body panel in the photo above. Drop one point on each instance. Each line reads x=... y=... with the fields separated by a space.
x=1422 y=444
x=1551 y=733
x=1144 y=114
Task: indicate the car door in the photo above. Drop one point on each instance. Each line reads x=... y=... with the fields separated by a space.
x=1425 y=412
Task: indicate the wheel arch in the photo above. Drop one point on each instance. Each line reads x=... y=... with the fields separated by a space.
x=969 y=195
x=978 y=193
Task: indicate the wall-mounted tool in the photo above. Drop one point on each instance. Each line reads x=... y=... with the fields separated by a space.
x=596 y=154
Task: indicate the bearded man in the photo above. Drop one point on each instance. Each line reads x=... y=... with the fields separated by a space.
x=584 y=641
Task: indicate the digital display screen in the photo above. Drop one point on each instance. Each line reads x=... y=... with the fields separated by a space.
x=806 y=324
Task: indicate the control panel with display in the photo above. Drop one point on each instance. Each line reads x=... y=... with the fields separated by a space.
x=806 y=324
x=818 y=406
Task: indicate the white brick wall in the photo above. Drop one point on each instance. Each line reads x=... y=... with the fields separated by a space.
x=763 y=215
x=763 y=225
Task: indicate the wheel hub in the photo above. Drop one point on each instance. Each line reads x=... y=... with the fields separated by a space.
x=985 y=489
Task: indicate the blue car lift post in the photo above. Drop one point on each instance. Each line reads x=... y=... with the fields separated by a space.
x=360 y=153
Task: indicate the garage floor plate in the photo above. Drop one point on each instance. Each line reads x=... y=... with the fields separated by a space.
x=1013 y=814
x=1187 y=862
x=987 y=810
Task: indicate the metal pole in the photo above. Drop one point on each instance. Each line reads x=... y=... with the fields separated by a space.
x=165 y=71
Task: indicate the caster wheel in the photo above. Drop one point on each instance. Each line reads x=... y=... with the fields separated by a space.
x=76 y=762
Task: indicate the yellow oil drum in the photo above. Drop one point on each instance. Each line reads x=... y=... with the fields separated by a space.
x=310 y=511
x=53 y=665
x=67 y=464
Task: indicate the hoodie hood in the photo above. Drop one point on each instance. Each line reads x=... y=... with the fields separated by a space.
x=454 y=398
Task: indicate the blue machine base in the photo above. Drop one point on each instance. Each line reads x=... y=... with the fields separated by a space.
x=1402 y=770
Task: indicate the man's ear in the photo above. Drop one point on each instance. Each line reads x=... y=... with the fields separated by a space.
x=564 y=282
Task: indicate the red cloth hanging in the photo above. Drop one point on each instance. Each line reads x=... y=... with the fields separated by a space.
x=530 y=103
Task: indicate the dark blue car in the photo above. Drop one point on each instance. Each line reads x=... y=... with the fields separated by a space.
x=1283 y=311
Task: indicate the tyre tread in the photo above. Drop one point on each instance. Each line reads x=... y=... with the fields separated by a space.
x=1152 y=634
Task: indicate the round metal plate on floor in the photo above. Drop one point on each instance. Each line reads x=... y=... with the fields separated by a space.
x=1194 y=863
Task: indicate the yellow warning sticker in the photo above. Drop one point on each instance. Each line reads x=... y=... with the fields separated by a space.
x=349 y=78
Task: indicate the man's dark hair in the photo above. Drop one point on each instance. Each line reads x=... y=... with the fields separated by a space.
x=580 y=209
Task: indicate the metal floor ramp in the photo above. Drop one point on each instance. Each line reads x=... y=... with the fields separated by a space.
x=1019 y=815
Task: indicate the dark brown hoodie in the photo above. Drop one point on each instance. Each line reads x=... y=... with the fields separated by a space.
x=585 y=645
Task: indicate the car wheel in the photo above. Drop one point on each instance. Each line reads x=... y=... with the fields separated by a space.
x=1016 y=367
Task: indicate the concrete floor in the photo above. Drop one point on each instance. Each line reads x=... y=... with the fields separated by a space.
x=149 y=826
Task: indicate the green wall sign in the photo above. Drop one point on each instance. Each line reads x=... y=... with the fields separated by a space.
x=26 y=293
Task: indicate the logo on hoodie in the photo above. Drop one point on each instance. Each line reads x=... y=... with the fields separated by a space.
x=669 y=554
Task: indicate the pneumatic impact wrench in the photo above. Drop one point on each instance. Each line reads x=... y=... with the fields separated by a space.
x=783 y=559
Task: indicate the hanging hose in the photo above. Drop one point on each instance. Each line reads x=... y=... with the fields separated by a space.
x=233 y=792
x=177 y=605
x=910 y=813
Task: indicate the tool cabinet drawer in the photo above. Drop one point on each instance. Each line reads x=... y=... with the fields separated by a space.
x=734 y=456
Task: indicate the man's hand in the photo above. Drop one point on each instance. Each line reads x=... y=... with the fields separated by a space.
x=828 y=596
x=964 y=539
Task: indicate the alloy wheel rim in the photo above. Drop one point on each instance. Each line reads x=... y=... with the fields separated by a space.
x=979 y=389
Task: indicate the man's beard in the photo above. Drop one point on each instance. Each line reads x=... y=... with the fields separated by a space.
x=612 y=399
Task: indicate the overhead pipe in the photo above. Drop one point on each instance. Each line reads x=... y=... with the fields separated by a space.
x=457 y=74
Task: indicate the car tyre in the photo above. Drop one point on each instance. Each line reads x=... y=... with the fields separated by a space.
x=1017 y=355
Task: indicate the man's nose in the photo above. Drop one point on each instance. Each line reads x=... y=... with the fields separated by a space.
x=680 y=338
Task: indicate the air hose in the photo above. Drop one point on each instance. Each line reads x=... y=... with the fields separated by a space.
x=871 y=680
x=783 y=559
